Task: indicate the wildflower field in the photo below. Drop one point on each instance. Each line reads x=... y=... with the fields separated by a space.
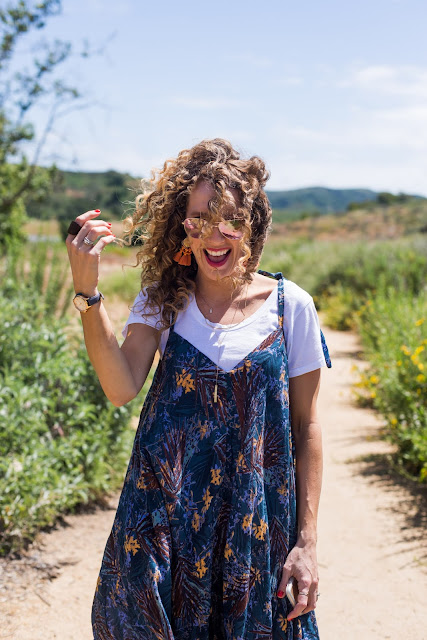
x=378 y=288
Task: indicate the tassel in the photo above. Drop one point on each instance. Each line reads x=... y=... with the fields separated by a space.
x=183 y=256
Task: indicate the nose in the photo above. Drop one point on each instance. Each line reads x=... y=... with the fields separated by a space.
x=214 y=234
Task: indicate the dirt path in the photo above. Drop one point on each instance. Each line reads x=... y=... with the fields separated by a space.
x=372 y=545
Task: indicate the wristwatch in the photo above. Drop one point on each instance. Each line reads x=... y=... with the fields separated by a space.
x=83 y=303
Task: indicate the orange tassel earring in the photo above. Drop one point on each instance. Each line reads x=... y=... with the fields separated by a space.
x=183 y=256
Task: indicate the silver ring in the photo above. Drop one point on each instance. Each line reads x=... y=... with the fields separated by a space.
x=87 y=241
x=317 y=596
x=303 y=594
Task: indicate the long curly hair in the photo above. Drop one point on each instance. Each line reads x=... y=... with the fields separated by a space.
x=161 y=208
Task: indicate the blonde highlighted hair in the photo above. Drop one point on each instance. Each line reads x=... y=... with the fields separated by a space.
x=161 y=208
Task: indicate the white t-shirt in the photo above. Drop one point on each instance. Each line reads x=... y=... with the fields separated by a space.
x=227 y=347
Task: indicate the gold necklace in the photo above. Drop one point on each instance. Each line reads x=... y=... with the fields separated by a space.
x=224 y=329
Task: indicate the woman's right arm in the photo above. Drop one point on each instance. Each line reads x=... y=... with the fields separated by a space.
x=121 y=371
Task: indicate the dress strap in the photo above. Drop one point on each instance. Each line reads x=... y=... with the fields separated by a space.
x=280 y=291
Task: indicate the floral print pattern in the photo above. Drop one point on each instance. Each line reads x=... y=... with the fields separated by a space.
x=207 y=514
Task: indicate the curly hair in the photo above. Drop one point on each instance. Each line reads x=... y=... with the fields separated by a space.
x=161 y=208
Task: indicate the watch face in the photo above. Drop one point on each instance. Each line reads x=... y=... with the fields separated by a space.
x=80 y=303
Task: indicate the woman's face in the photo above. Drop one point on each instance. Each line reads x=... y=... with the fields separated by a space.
x=216 y=255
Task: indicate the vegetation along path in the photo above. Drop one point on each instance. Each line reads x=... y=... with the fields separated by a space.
x=372 y=546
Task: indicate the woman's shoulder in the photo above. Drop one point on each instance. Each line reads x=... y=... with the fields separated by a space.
x=295 y=295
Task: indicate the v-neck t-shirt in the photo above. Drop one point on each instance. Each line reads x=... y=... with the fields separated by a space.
x=227 y=345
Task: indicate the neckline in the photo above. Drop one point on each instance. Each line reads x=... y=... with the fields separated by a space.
x=220 y=369
x=231 y=327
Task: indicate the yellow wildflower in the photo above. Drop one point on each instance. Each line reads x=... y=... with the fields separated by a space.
x=421 y=366
x=405 y=350
x=374 y=379
x=421 y=378
x=415 y=359
x=419 y=350
x=399 y=363
x=393 y=421
x=373 y=394
x=419 y=322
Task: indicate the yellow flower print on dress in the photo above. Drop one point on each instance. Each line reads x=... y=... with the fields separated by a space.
x=260 y=530
x=196 y=522
x=203 y=429
x=282 y=490
x=207 y=499
x=131 y=545
x=185 y=381
x=247 y=522
x=216 y=476
x=201 y=567
x=283 y=622
x=240 y=462
x=228 y=552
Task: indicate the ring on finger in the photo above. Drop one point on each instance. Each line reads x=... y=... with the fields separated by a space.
x=302 y=593
x=87 y=240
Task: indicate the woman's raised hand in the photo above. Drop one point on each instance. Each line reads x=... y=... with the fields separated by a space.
x=84 y=258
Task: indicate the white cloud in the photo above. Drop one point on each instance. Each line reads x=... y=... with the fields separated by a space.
x=400 y=80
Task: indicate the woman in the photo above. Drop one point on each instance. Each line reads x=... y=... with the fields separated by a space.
x=219 y=503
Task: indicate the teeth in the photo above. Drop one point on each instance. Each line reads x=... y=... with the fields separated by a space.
x=222 y=252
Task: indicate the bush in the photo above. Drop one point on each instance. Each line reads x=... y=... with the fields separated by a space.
x=392 y=328
x=62 y=442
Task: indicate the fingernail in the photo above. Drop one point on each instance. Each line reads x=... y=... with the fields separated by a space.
x=109 y=224
x=280 y=594
x=97 y=210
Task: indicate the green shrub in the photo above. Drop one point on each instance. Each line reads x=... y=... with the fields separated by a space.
x=393 y=332
x=62 y=443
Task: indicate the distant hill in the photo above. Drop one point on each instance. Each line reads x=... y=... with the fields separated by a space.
x=114 y=192
x=315 y=200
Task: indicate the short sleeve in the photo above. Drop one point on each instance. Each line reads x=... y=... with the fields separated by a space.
x=305 y=343
x=137 y=314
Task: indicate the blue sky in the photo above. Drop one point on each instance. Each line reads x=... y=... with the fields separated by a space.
x=329 y=93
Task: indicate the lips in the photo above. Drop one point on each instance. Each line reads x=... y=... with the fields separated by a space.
x=216 y=258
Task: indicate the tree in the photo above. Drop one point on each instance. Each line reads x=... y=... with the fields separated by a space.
x=21 y=178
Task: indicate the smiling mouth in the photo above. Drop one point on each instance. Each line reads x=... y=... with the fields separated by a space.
x=216 y=258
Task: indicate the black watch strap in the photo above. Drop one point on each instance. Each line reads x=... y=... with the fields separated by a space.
x=93 y=299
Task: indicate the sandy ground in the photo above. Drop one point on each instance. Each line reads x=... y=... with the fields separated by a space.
x=372 y=543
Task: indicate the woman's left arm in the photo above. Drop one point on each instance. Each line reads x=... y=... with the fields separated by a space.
x=302 y=561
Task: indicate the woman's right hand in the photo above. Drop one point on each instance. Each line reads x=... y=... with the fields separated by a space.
x=84 y=258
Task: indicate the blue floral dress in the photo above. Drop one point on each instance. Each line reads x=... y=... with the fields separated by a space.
x=207 y=514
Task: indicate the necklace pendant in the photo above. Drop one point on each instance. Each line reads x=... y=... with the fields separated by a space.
x=215 y=397
x=210 y=310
